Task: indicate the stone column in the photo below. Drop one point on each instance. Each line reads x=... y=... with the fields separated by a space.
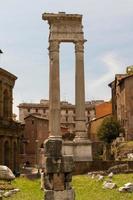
x=58 y=168
x=54 y=90
x=81 y=132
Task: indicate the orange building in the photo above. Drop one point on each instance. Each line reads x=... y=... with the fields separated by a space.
x=103 y=109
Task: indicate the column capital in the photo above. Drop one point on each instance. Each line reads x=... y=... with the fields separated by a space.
x=79 y=46
x=53 y=46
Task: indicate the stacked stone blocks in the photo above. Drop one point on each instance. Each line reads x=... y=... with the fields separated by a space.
x=58 y=172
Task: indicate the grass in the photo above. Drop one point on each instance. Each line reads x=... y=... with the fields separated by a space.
x=85 y=188
x=29 y=189
x=89 y=189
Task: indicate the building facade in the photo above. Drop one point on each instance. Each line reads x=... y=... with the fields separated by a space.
x=122 y=102
x=9 y=129
x=67 y=112
x=34 y=134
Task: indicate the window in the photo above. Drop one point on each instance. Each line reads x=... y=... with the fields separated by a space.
x=36 y=109
x=28 y=109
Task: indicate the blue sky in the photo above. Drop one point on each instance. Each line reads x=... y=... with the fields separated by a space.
x=108 y=28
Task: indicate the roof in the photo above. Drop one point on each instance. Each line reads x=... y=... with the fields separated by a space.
x=126 y=77
x=7 y=74
x=120 y=78
x=64 y=104
x=37 y=117
x=101 y=117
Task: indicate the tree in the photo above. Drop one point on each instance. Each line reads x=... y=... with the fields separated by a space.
x=109 y=130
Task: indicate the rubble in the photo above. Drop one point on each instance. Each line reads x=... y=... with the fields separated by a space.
x=109 y=185
x=128 y=187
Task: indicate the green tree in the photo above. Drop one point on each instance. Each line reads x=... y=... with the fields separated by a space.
x=109 y=130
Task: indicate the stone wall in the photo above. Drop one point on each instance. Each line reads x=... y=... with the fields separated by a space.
x=85 y=167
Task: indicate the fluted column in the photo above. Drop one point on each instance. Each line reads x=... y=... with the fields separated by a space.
x=54 y=90
x=81 y=132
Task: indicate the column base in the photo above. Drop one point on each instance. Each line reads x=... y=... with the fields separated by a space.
x=82 y=150
x=59 y=195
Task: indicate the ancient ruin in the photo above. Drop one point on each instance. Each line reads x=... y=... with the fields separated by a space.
x=58 y=166
x=9 y=129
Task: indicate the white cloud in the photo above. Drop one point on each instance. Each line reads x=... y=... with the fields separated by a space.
x=98 y=87
x=113 y=66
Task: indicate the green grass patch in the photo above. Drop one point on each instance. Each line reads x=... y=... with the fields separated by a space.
x=85 y=188
x=29 y=189
x=90 y=189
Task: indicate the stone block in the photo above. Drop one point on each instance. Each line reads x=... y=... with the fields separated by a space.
x=82 y=150
x=53 y=148
x=52 y=165
x=49 y=195
x=6 y=173
x=58 y=182
x=68 y=177
x=60 y=195
x=67 y=163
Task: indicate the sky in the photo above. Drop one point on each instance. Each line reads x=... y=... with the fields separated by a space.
x=108 y=28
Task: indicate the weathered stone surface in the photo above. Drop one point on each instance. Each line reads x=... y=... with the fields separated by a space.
x=60 y=195
x=49 y=195
x=52 y=165
x=67 y=163
x=48 y=181
x=118 y=168
x=7 y=194
x=58 y=182
x=110 y=175
x=6 y=173
x=53 y=148
x=100 y=177
x=68 y=177
x=109 y=185
x=128 y=187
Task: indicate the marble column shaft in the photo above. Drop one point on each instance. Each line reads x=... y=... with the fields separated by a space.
x=54 y=90
x=80 y=91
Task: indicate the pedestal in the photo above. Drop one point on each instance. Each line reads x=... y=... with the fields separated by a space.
x=83 y=150
x=60 y=195
x=58 y=172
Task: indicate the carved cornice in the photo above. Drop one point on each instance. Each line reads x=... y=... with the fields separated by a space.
x=61 y=16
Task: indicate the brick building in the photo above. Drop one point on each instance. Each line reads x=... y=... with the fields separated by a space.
x=34 y=134
x=35 y=118
x=122 y=101
x=67 y=111
x=9 y=129
x=103 y=109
